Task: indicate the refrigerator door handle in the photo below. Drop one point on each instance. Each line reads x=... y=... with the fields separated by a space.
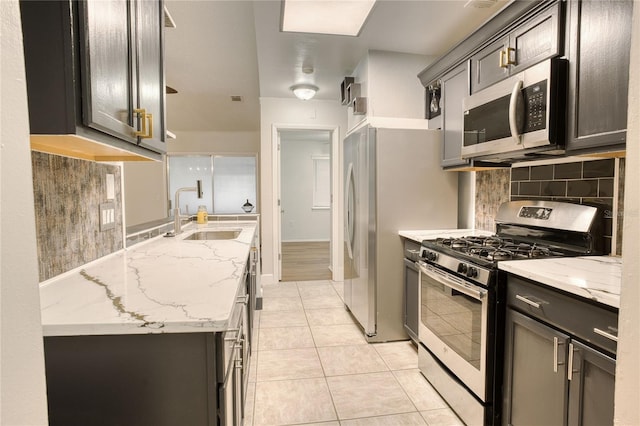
x=350 y=204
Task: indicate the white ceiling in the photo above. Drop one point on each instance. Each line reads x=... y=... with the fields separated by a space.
x=221 y=48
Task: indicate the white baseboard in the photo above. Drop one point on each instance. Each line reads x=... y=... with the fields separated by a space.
x=306 y=241
x=266 y=279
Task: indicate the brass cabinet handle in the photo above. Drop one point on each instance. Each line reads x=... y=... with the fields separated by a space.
x=146 y=132
x=505 y=57
x=502 y=61
x=508 y=51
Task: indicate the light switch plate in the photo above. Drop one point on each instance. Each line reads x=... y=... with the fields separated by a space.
x=107 y=216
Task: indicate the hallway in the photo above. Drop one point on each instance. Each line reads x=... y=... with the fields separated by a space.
x=312 y=365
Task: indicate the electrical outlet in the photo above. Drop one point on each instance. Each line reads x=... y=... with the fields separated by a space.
x=107 y=216
x=111 y=186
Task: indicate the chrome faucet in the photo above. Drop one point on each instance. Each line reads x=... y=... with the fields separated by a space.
x=177 y=225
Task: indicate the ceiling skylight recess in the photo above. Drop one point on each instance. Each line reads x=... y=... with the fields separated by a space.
x=337 y=17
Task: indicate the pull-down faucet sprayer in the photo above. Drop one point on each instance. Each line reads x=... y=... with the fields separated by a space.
x=177 y=225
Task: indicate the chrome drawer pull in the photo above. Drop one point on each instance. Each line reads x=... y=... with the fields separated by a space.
x=605 y=334
x=556 y=343
x=570 y=364
x=527 y=301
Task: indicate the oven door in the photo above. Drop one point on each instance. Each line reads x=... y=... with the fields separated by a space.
x=453 y=325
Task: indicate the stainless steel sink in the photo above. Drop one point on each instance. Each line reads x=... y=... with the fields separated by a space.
x=217 y=234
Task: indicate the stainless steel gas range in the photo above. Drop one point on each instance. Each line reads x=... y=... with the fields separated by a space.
x=461 y=328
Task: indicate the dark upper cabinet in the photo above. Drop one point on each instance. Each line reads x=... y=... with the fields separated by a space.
x=526 y=45
x=454 y=87
x=95 y=72
x=599 y=44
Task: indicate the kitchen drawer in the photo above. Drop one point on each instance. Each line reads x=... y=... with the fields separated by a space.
x=563 y=311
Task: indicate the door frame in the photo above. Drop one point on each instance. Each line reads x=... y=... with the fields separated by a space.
x=335 y=263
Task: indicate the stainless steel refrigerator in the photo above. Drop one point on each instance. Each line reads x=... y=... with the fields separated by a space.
x=393 y=181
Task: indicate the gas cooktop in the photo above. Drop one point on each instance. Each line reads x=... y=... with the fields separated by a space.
x=494 y=248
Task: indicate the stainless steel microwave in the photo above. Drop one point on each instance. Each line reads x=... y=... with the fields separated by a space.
x=522 y=116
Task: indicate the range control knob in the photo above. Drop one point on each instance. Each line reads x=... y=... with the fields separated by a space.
x=431 y=256
x=472 y=272
x=462 y=268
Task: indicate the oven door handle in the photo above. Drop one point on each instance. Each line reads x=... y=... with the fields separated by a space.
x=448 y=281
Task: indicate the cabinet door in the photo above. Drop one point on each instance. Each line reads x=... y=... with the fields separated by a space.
x=600 y=34
x=486 y=66
x=150 y=69
x=105 y=57
x=536 y=40
x=455 y=86
x=535 y=388
x=592 y=387
x=411 y=289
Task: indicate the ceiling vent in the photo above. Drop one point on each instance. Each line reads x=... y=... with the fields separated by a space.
x=236 y=98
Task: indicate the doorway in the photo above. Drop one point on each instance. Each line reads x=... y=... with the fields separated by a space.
x=305 y=204
x=304 y=183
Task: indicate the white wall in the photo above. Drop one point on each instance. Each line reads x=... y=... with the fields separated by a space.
x=627 y=409
x=300 y=222
x=223 y=142
x=22 y=381
x=145 y=191
x=389 y=81
x=145 y=183
x=276 y=112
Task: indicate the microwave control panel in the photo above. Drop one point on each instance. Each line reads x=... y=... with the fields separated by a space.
x=535 y=100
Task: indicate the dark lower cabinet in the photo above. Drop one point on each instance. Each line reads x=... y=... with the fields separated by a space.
x=592 y=387
x=411 y=298
x=152 y=379
x=164 y=379
x=536 y=381
x=551 y=375
x=599 y=46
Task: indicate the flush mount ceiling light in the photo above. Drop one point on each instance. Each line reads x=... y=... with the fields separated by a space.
x=338 y=17
x=304 y=91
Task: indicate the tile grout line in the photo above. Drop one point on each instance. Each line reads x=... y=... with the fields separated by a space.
x=324 y=373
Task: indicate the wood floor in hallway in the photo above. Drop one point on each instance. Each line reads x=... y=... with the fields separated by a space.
x=305 y=261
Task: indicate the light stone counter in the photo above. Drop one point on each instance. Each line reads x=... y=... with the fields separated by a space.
x=429 y=234
x=596 y=278
x=164 y=285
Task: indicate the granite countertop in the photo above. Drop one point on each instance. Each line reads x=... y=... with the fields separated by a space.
x=596 y=278
x=426 y=234
x=163 y=285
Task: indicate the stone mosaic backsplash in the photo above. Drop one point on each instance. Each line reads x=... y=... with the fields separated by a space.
x=585 y=182
x=67 y=195
x=492 y=189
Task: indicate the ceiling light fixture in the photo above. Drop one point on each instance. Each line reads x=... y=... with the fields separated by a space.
x=480 y=4
x=338 y=17
x=304 y=91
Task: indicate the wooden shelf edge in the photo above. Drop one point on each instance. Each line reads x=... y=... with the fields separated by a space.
x=78 y=147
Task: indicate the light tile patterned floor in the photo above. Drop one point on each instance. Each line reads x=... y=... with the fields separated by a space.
x=312 y=366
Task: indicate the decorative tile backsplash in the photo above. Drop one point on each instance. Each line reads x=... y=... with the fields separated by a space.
x=585 y=182
x=67 y=195
x=492 y=189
